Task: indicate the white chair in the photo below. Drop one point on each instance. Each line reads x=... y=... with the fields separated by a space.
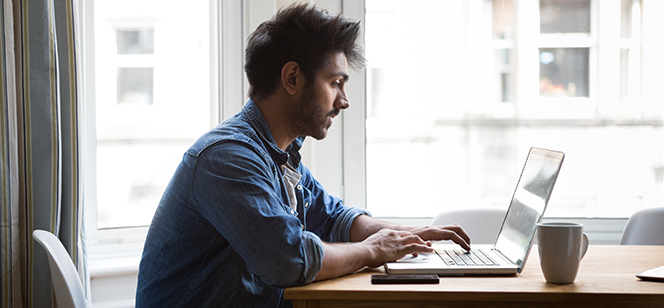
x=645 y=227
x=64 y=277
x=481 y=224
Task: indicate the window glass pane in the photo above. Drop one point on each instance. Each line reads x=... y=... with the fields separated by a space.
x=135 y=41
x=411 y=85
x=438 y=136
x=564 y=16
x=131 y=177
x=624 y=74
x=504 y=73
x=152 y=100
x=135 y=85
x=563 y=72
x=503 y=19
x=626 y=18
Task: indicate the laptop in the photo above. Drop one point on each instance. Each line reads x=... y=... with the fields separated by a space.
x=509 y=253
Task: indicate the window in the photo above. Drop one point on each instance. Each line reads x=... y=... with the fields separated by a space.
x=563 y=72
x=153 y=98
x=135 y=60
x=156 y=75
x=453 y=105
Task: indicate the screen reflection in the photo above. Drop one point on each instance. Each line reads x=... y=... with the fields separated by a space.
x=528 y=203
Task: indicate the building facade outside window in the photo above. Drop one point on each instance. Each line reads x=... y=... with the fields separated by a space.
x=457 y=91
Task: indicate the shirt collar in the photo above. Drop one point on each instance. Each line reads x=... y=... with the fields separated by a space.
x=262 y=128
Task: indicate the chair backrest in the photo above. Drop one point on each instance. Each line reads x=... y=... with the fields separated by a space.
x=481 y=224
x=645 y=227
x=64 y=277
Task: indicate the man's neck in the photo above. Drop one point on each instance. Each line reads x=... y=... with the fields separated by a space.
x=273 y=111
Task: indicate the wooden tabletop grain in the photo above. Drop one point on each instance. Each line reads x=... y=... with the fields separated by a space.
x=606 y=278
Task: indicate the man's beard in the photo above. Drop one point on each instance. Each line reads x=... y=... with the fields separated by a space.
x=306 y=116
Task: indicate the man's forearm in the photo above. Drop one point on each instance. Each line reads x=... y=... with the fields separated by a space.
x=341 y=259
x=364 y=226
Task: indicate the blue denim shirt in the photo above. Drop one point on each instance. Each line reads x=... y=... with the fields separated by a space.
x=224 y=233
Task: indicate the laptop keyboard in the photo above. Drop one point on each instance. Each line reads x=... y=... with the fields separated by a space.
x=466 y=258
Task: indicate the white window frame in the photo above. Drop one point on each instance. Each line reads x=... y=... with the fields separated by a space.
x=229 y=88
x=226 y=77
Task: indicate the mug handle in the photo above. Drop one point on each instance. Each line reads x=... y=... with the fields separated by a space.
x=585 y=246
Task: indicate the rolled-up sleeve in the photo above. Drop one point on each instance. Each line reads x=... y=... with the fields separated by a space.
x=313 y=256
x=341 y=228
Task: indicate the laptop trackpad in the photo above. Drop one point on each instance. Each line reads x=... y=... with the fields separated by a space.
x=422 y=257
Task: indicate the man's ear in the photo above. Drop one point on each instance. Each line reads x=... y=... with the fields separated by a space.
x=291 y=77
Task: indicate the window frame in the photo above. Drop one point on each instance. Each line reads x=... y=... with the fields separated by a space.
x=229 y=86
x=345 y=145
x=127 y=242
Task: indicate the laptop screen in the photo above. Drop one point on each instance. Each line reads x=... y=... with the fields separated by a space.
x=528 y=203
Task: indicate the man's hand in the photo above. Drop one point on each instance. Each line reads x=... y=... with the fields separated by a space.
x=375 y=242
x=364 y=226
x=389 y=245
x=452 y=232
x=383 y=246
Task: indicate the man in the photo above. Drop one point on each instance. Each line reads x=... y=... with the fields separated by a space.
x=242 y=218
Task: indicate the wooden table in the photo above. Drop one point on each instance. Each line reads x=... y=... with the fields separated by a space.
x=606 y=278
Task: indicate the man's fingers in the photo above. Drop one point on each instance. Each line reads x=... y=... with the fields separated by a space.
x=413 y=238
x=457 y=235
x=459 y=240
x=393 y=245
x=460 y=231
x=413 y=249
x=453 y=232
x=412 y=243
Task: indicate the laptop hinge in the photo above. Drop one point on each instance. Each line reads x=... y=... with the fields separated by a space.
x=505 y=258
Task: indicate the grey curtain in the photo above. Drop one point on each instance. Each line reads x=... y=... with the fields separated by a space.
x=40 y=152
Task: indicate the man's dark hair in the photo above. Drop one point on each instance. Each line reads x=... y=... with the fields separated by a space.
x=301 y=33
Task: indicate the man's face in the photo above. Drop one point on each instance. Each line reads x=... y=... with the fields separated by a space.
x=321 y=101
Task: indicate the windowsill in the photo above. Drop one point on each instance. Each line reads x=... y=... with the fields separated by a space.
x=115 y=252
x=114 y=259
x=113 y=266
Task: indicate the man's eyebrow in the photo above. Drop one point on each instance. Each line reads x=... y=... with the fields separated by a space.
x=344 y=75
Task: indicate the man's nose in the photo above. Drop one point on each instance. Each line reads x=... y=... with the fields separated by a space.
x=343 y=102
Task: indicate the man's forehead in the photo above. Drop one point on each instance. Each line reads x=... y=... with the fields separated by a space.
x=337 y=66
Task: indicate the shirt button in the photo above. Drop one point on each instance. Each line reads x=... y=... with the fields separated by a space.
x=306 y=204
x=299 y=187
x=292 y=212
x=283 y=167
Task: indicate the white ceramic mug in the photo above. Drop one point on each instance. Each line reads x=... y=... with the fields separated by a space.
x=562 y=245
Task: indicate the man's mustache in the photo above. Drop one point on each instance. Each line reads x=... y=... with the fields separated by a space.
x=335 y=112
